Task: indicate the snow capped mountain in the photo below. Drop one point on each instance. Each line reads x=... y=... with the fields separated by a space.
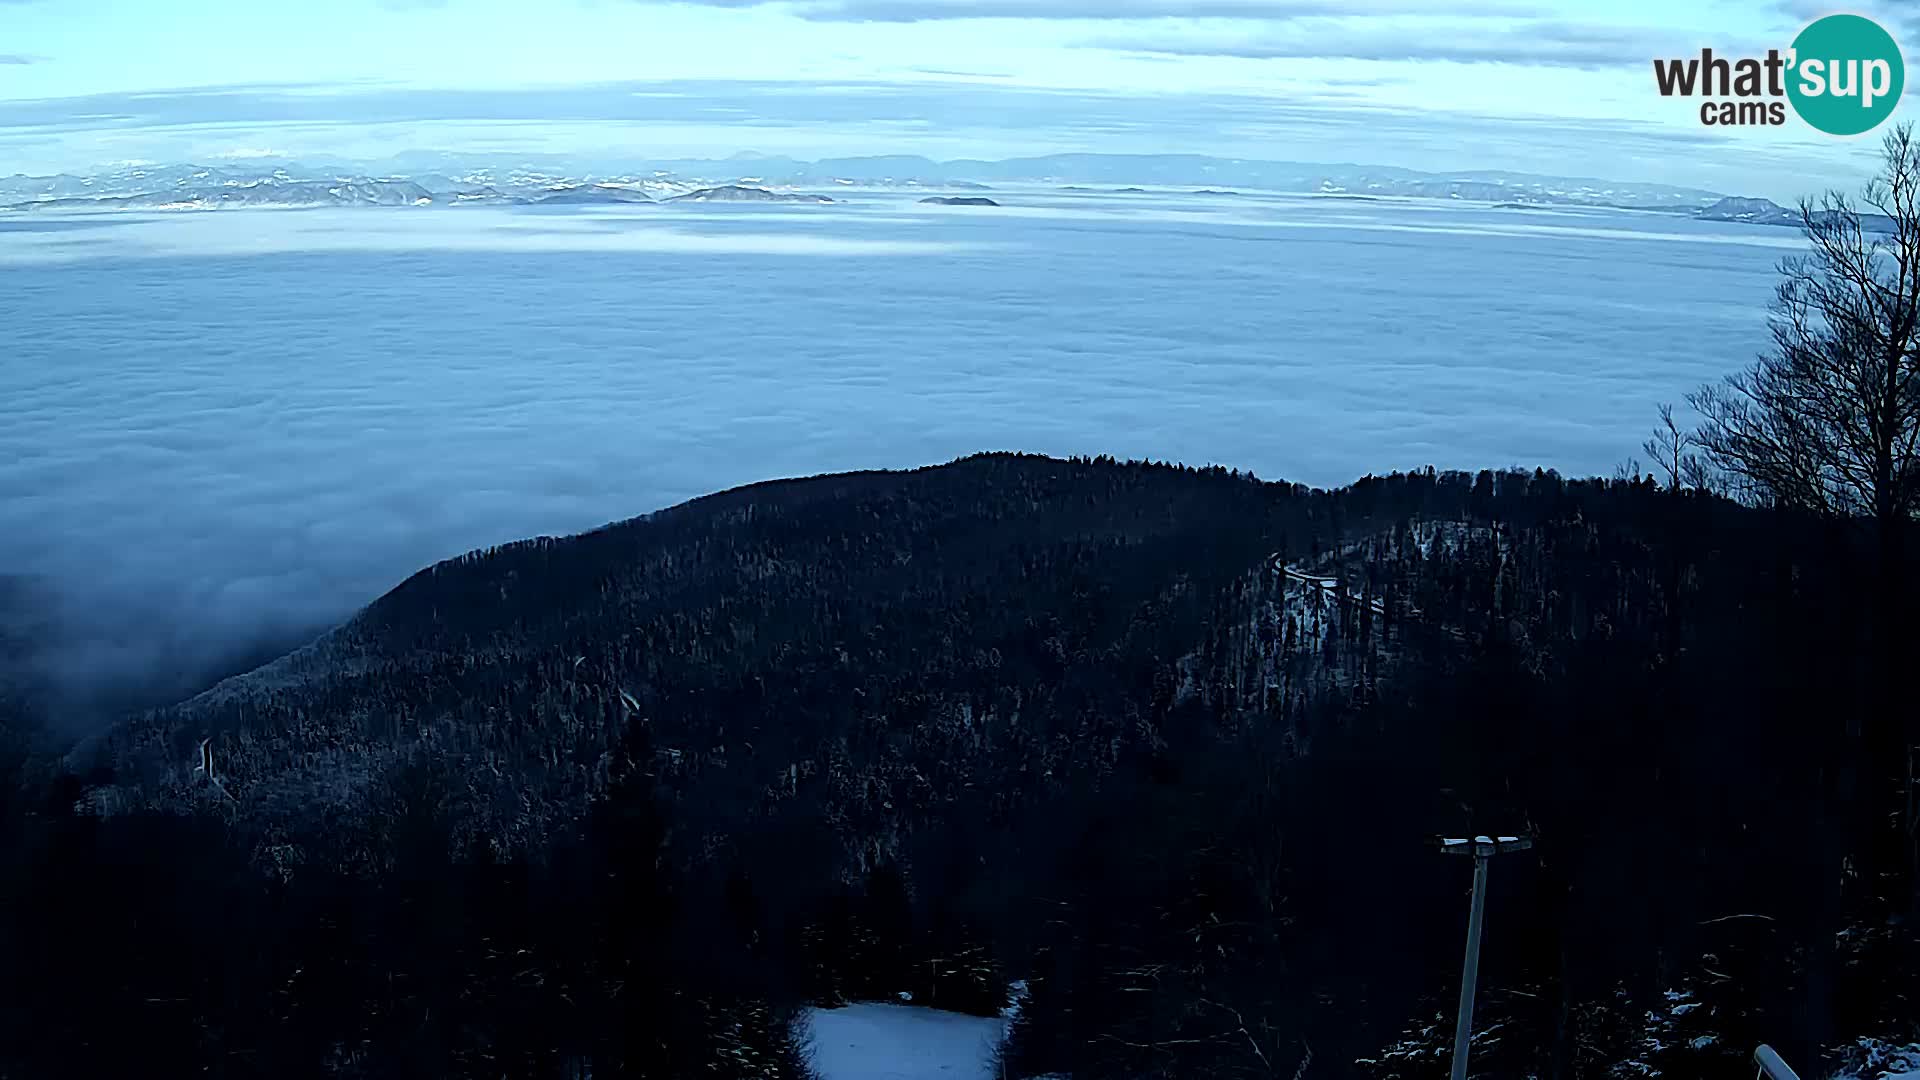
x=452 y=179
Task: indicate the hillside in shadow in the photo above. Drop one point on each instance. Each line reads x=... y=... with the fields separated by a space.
x=1167 y=744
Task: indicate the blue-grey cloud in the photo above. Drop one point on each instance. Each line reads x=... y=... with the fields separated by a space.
x=908 y=11
x=1900 y=17
x=1801 y=11
x=1014 y=109
x=18 y=59
x=572 y=128
x=1534 y=43
x=954 y=73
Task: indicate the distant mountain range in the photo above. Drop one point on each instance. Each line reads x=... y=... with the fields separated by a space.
x=276 y=192
x=1749 y=211
x=429 y=179
x=1191 y=170
x=259 y=193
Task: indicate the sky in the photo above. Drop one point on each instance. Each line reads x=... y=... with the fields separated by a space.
x=1553 y=86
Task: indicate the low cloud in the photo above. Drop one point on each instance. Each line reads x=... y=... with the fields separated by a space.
x=233 y=234
x=960 y=74
x=204 y=455
x=18 y=59
x=596 y=127
x=910 y=11
x=1532 y=44
x=257 y=115
x=1902 y=19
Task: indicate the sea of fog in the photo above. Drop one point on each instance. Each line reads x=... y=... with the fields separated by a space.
x=218 y=429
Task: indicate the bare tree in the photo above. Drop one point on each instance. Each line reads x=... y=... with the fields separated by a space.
x=1672 y=451
x=1828 y=421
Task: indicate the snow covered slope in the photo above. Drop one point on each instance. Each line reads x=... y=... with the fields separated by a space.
x=872 y=1041
x=1875 y=1059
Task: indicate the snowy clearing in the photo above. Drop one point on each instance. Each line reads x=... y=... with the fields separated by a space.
x=873 y=1041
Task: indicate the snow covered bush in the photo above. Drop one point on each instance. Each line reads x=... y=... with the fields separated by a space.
x=1877 y=1059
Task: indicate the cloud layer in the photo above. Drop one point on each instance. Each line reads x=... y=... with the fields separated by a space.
x=1537 y=43
x=240 y=233
x=1899 y=16
x=209 y=451
x=626 y=125
x=907 y=11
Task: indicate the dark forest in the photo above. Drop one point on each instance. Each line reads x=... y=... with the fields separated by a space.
x=625 y=803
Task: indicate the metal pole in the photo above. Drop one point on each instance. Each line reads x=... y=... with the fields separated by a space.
x=1481 y=848
x=1771 y=1067
x=1463 y=1027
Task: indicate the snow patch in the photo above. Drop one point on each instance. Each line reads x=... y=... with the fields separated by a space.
x=875 y=1041
x=1877 y=1059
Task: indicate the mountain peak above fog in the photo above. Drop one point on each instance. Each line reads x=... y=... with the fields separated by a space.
x=430 y=178
x=449 y=174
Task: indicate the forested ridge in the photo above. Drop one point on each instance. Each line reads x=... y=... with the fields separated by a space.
x=622 y=802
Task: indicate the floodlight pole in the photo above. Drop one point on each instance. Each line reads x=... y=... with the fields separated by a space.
x=1482 y=848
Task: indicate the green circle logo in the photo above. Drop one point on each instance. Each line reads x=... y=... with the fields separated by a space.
x=1846 y=74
